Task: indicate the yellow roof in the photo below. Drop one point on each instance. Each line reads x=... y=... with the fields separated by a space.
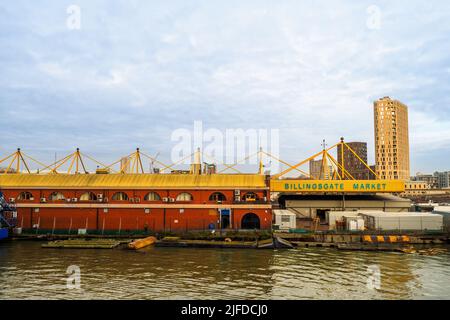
x=132 y=181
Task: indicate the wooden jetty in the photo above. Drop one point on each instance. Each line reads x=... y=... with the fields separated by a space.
x=179 y=243
x=84 y=244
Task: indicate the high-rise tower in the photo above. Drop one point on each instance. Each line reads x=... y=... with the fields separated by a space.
x=391 y=139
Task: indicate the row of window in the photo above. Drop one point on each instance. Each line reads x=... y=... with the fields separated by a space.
x=151 y=196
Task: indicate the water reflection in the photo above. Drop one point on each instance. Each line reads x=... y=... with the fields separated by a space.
x=28 y=271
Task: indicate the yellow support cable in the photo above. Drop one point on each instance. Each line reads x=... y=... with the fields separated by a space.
x=34 y=160
x=73 y=157
x=232 y=166
x=63 y=161
x=11 y=163
x=125 y=165
x=81 y=161
x=212 y=158
x=342 y=157
x=11 y=155
x=77 y=164
x=335 y=169
x=175 y=163
x=116 y=162
x=133 y=162
x=300 y=163
x=97 y=162
x=140 y=161
x=343 y=169
x=335 y=165
x=154 y=159
x=362 y=161
x=57 y=162
x=18 y=163
x=23 y=160
x=285 y=163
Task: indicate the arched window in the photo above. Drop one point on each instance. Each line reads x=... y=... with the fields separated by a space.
x=120 y=196
x=250 y=221
x=217 y=196
x=55 y=196
x=152 y=196
x=184 y=196
x=88 y=196
x=250 y=196
x=24 y=196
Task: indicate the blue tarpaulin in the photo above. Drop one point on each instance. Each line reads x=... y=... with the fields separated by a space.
x=3 y=233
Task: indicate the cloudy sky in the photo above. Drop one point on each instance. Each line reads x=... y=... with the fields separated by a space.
x=136 y=71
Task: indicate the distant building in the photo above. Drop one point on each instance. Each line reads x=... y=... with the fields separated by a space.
x=316 y=171
x=352 y=164
x=416 y=188
x=442 y=179
x=427 y=178
x=391 y=139
x=371 y=172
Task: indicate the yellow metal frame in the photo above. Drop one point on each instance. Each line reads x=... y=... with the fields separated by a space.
x=74 y=159
x=328 y=158
x=18 y=158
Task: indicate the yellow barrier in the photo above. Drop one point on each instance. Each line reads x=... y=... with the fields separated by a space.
x=390 y=239
x=393 y=238
x=405 y=239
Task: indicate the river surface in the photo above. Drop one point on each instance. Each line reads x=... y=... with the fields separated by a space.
x=28 y=271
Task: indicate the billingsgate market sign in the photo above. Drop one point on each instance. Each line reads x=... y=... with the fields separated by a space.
x=356 y=186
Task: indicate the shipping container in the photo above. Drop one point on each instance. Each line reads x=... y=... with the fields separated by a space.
x=285 y=219
x=444 y=211
x=333 y=216
x=377 y=220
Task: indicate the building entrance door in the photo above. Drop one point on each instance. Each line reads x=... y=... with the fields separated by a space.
x=321 y=214
x=225 y=218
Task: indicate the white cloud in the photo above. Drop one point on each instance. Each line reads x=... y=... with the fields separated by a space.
x=311 y=69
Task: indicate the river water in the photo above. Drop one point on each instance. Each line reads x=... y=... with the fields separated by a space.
x=28 y=271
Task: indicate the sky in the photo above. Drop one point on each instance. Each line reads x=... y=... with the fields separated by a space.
x=117 y=75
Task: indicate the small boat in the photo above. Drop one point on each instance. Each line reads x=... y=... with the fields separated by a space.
x=142 y=243
x=281 y=243
x=275 y=243
x=265 y=244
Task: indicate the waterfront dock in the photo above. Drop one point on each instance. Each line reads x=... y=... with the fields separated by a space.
x=84 y=244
